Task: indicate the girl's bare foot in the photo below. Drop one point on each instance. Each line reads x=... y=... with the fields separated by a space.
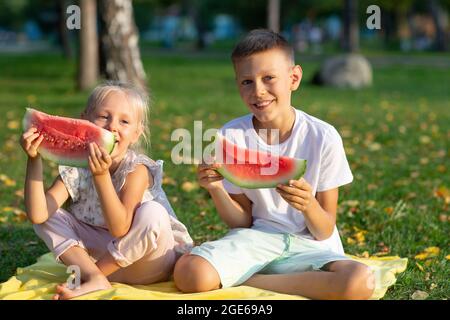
x=94 y=283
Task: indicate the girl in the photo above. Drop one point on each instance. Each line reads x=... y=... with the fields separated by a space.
x=119 y=226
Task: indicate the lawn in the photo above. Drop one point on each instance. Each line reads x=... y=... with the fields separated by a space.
x=396 y=135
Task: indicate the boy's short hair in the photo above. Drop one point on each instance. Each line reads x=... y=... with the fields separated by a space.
x=260 y=40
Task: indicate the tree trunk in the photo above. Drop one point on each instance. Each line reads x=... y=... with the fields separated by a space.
x=88 y=60
x=195 y=10
x=273 y=15
x=120 y=41
x=435 y=10
x=350 y=39
x=64 y=36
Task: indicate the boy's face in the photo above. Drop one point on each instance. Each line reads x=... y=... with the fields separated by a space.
x=266 y=81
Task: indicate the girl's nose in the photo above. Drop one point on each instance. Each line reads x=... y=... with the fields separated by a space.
x=112 y=126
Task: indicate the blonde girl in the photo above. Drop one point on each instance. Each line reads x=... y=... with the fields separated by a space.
x=119 y=225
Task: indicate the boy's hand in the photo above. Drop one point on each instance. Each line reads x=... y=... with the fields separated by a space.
x=297 y=194
x=30 y=142
x=208 y=177
x=99 y=160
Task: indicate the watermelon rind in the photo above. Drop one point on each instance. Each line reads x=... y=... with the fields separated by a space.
x=107 y=141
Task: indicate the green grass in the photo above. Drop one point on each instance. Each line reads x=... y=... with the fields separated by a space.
x=395 y=133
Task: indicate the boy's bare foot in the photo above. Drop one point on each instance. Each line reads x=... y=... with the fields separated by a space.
x=93 y=284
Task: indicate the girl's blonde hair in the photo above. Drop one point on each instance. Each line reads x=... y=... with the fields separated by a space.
x=138 y=99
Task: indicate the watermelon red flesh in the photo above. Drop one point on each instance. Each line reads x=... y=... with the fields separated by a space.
x=66 y=140
x=249 y=168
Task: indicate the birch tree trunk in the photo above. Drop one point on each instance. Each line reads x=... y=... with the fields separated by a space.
x=273 y=15
x=120 y=41
x=88 y=59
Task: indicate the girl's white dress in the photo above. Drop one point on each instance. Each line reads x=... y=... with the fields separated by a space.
x=85 y=205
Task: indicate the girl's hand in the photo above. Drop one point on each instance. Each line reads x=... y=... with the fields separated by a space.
x=99 y=160
x=30 y=142
x=297 y=194
x=208 y=177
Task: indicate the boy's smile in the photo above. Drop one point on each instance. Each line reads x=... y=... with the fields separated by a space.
x=265 y=81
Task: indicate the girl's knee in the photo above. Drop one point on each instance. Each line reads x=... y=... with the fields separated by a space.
x=359 y=283
x=151 y=215
x=195 y=274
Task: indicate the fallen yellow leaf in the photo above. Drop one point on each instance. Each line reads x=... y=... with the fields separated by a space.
x=420 y=267
x=359 y=236
x=168 y=180
x=19 y=193
x=429 y=252
x=351 y=203
x=370 y=203
x=365 y=254
x=425 y=139
x=10 y=183
x=188 y=186
x=443 y=193
x=421 y=256
x=13 y=124
x=20 y=216
x=433 y=251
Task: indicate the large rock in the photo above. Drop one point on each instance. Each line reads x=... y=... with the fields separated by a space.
x=346 y=71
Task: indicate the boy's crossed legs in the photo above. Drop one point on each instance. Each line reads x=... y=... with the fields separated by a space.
x=280 y=271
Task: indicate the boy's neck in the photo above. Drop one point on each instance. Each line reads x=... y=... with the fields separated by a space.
x=284 y=124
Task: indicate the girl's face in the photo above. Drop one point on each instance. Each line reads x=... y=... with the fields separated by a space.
x=118 y=116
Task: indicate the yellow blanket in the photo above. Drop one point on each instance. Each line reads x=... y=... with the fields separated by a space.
x=37 y=282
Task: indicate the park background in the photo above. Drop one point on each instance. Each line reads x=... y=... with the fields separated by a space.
x=394 y=123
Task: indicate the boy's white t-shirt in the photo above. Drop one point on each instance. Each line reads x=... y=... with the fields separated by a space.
x=312 y=139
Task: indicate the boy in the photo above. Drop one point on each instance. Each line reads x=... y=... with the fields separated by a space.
x=282 y=239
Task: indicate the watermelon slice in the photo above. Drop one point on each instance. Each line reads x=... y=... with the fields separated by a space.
x=66 y=140
x=252 y=169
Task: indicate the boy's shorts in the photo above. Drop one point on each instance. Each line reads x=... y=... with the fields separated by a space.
x=244 y=252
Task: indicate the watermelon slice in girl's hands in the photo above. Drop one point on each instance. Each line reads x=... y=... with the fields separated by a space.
x=252 y=169
x=66 y=140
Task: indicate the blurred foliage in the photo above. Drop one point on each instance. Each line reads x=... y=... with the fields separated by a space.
x=250 y=14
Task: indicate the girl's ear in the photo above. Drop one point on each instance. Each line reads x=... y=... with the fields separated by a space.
x=296 y=77
x=138 y=134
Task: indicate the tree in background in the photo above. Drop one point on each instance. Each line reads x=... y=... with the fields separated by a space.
x=273 y=15
x=438 y=19
x=120 y=41
x=350 y=36
x=64 y=37
x=88 y=65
